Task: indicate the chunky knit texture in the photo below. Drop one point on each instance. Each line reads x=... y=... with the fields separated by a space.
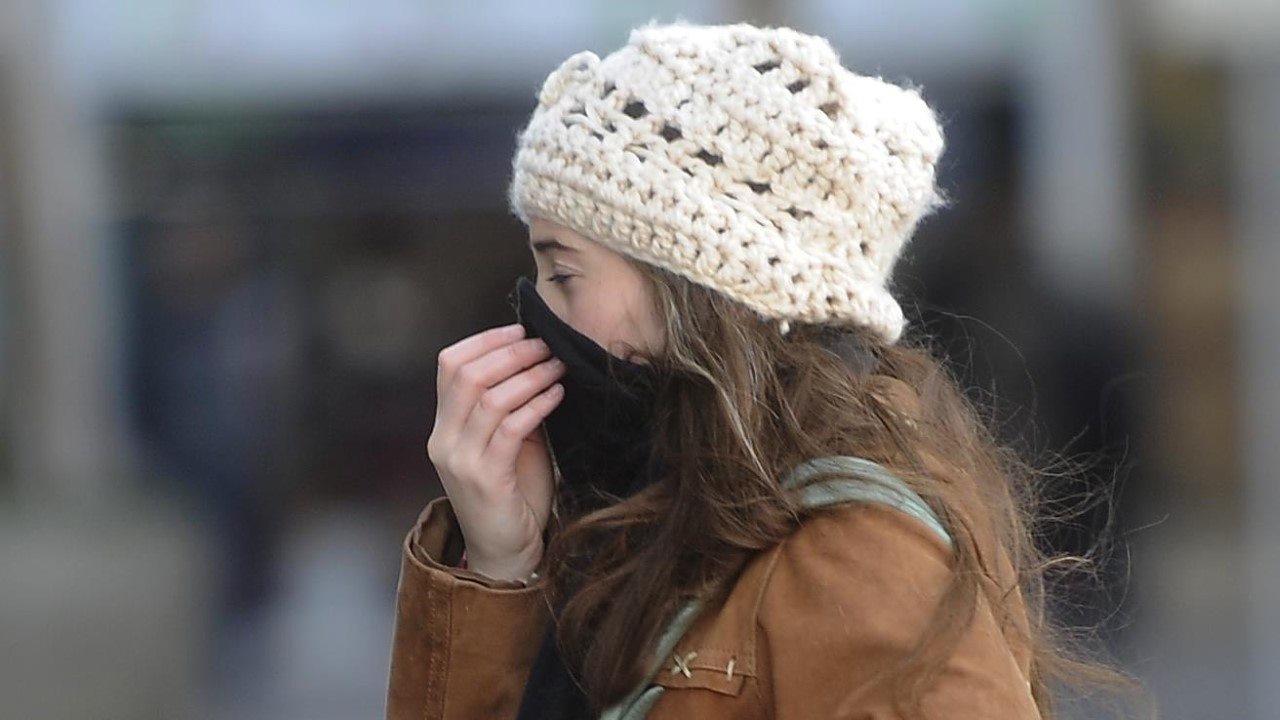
x=745 y=158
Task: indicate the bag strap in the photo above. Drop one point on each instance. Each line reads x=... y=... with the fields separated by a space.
x=863 y=481
x=860 y=480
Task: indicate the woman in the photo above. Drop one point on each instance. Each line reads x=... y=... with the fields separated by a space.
x=714 y=213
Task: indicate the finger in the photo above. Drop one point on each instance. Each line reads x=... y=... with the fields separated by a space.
x=455 y=356
x=458 y=387
x=504 y=445
x=478 y=376
x=499 y=401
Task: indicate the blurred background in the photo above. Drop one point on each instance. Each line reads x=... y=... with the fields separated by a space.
x=235 y=234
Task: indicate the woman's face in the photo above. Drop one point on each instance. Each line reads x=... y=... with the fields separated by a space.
x=595 y=289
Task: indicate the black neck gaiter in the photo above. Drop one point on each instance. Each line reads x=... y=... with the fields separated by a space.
x=600 y=436
x=601 y=432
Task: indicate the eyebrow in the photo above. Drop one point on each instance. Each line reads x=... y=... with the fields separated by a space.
x=548 y=244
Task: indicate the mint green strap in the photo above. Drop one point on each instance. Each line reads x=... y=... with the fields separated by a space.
x=636 y=705
x=864 y=481
x=860 y=480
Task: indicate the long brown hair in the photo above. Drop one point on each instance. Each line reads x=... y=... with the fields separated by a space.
x=739 y=406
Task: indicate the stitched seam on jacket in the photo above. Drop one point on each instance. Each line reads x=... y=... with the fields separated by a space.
x=912 y=524
x=439 y=612
x=755 y=606
x=765 y=694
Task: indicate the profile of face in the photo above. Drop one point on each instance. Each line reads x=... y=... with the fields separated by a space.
x=595 y=289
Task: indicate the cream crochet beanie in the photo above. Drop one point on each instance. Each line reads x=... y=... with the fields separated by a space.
x=744 y=158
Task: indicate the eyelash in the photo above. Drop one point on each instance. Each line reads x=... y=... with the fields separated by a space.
x=558 y=278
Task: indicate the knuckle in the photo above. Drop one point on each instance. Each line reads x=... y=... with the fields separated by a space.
x=436 y=449
x=510 y=427
x=468 y=376
x=444 y=460
x=489 y=402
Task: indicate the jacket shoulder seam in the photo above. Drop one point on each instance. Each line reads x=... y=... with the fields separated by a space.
x=909 y=523
x=850 y=510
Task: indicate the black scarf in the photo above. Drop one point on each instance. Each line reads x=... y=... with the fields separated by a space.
x=600 y=436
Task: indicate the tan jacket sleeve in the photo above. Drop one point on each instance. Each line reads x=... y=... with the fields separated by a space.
x=463 y=643
x=849 y=593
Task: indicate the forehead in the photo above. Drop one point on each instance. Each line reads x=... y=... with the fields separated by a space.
x=547 y=236
x=550 y=245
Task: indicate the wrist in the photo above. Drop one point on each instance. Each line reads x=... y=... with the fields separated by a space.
x=522 y=571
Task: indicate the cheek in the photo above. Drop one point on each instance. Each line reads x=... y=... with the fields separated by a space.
x=595 y=311
x=626 y=316
x=602 y=313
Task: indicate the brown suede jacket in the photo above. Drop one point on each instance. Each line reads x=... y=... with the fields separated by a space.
x=806 y=625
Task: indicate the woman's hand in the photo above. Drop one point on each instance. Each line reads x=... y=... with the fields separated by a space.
x=493 y=391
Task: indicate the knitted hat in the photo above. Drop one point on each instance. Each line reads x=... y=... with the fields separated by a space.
x=746 y=159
